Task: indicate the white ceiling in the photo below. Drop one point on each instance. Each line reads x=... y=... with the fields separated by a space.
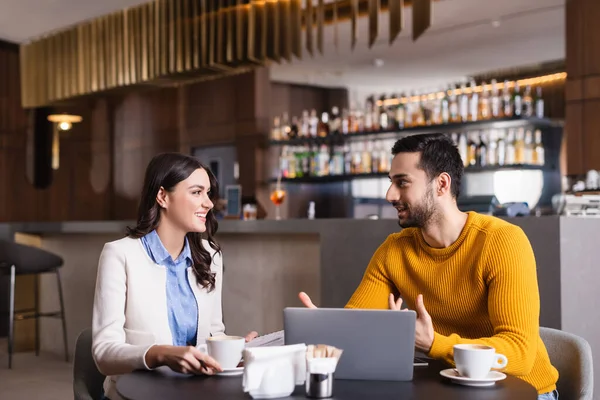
x=461 y=42
x=21 y=20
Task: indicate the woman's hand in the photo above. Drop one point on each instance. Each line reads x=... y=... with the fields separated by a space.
x=252 y=335
x=183 y=359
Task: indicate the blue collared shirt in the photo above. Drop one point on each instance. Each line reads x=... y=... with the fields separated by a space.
x=181 y=302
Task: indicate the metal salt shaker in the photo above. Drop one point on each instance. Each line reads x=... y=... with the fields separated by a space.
x=319 y=386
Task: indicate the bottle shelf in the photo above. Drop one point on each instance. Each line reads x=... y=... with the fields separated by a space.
x=350 y=177
x=499 y=123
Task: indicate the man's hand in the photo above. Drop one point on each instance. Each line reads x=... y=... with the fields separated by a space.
x=251 y=336
x=306 y=300
x=423 y=326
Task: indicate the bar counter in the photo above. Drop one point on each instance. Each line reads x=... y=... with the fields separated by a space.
x=267 y=262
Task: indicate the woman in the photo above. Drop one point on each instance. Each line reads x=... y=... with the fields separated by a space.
x=158 y=291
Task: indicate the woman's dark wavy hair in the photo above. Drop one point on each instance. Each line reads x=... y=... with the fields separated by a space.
x=167 y=170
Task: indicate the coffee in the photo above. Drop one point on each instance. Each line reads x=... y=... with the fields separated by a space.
x=475 y=361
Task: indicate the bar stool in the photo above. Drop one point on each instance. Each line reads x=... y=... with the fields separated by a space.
x=18 y=259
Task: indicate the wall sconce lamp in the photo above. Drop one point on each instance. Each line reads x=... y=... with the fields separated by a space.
x=62 y=123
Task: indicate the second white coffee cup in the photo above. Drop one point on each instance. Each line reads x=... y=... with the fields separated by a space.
x=226 y=350
x=475 y=361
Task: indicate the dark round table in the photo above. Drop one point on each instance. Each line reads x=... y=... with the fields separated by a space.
x=427 y=383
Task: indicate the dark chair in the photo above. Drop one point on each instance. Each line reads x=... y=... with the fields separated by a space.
x=87 y=380
x=18 y=259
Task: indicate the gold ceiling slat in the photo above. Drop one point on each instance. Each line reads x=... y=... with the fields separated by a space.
x=395 y=12
x=308 y=26
x=59 y=69
x=272 y=29
x=171 y=38
x=320 y=22
x=285 y=29
x=80 y=75
x=204 y=31
x=240 y=10
x=148 y=42
x=296 y=12
x=73 y=62
x=163 y=54
x=354 y=23
x=374 y=6
x=93 y=56
x=133 y=46
x=100 y=53
x=187 y=32
x=178 y=23
x=195 y=34
x=421 y=17
x=112 y=50
x=230 y=34
x=334 y=21
x=120 y=49
x=219 y=49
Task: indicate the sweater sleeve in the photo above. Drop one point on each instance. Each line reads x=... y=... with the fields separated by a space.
x=112 y=354
x=513 y=303
x=376 y=286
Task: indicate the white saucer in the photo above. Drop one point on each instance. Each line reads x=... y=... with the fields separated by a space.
x=231 y=371
x=491 y=378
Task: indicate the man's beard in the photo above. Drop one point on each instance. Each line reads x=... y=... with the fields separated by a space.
x=420 y=214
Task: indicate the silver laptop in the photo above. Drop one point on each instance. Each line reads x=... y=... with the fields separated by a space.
x=377 y=344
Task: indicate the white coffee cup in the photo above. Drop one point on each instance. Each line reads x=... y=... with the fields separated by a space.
x=475 y=360
x=226 y=350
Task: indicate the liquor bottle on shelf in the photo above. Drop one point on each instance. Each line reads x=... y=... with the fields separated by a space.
x=276 y=129
x=345 y=127
x=453 y=106
x=304 y=130
x=471 y=149
x=374 y=150
x=285 y=127
x=520 y=146
x=366 y=157
x=463 y=149
x=419 y=116
x=391 y=112
x=482 y=153
x=463 y=103
x=528 y=149
x=313 y=123
x=400 y=113
x=495 y=100
x=323 y=125
x=492 y=148
x=348 y=159
x=382 y=115
x=539 y=103
x=538 y=150
x=445 y=107
x=517 y=101
x=335 y=123
x=435 y=107
x=527 y=102
x=294 y=130
x=485 y=111
x=501 y=148
x=510 y=148
x=369 y=115
x=507 y=105
x=473 y=103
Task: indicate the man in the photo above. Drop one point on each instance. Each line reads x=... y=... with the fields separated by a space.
x=471 y=278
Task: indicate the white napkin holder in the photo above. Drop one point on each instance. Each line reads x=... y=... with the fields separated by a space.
x=274 y=372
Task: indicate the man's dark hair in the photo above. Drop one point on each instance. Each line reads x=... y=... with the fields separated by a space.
x=438 y=154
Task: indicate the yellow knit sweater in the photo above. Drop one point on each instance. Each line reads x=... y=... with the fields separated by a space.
x=481 y=289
